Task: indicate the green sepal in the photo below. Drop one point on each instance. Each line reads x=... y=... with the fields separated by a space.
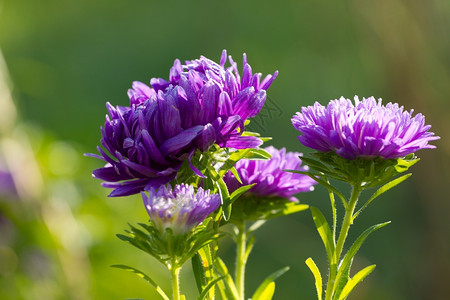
x=145 y=277
x=364 y=171
x=253 y=208
x=267 y=287
x=353 y=282
x=324 y=231
x=317 y=277
x=166 y=245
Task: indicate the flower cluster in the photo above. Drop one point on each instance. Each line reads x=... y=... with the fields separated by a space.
x=202 y=104
x=364 y=129
x=269 y=176
x=180 y=208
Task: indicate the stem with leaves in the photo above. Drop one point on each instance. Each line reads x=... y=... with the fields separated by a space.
x=348 y=220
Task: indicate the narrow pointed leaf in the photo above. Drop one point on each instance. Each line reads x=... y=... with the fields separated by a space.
x=267 y=293
x=226 y=200
x=352 y=283
x=236 y=174
x=268 y=281
x=145 y=277
x=324 y=183
x=382 y=190
x=230 y=288
x=324 y=231
x=342 y=272
x=237 y=193
x=317 y=277
x=205 y=254
x=249 y=247
x=343 y=279
x=199 y=272
x=232 y=160
x=255 y=226
x=258 y=154
x=208 y=287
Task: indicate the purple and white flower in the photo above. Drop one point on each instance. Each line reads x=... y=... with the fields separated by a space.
x=363 y=129
x=181 y=208
x=202 y=104
x=268 y=176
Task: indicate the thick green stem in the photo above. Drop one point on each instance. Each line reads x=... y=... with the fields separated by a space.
x=241 y=259
x=175 y=272
x=356 y=191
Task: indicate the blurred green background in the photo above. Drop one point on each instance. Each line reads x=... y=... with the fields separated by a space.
x=64 y=59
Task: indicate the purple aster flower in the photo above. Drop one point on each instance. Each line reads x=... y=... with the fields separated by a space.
x=364 y=129
x=268 y=176
x=180 y=208
x=202 y=104
x=7 y=185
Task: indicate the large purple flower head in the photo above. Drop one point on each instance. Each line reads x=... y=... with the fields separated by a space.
x=180 y=208
x=363 y=129
x=269 y=178
x=202 y=104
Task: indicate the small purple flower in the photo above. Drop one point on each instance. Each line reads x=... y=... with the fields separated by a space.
x=202 y=104
x=364 y=129
x=7 y=185
x=180 y=208
x=268 y=175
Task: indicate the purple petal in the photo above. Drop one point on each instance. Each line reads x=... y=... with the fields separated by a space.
x=177 y=142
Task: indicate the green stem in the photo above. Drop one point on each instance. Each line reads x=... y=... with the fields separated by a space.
x=241 y=259
x=175 y=272
x=348 y=218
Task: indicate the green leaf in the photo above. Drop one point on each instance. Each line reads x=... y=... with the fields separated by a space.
x=328 y=186
x=145 y=277
x=292 y=208
x=382 y=190
x=250 y=133
x=267 y=293
x=237 y=193
x=236 y=174
x=346 y=262
x=317 y=276
x=226 y=200
x=206 y=258
x=351 y=284
x=324 y=231
x=208 y=287
x=342 y=280
x=230 y=289
x=199 y=271
x=249 y=247
x=266 y=286
x=232 y=160
x=258 y=154
x=256 y=226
